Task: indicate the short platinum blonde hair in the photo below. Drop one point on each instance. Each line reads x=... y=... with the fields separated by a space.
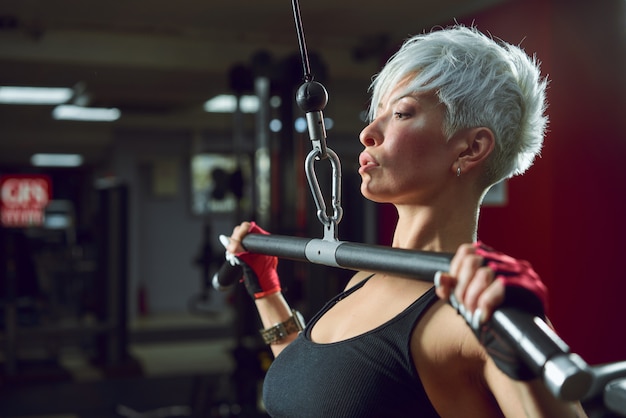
x=481 y=82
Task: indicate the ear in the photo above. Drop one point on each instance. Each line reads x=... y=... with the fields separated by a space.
x=477 y=145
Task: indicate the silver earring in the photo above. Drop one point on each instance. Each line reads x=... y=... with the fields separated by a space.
x=458 y=171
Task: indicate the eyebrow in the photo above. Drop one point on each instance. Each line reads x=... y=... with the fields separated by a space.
x=397 y=99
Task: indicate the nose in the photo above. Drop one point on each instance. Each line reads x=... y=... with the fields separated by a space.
x=371 y=135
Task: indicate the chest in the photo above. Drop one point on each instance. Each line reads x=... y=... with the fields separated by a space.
x=376 y=302
x=371 y=375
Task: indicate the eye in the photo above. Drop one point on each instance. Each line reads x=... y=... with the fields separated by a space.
x=400 y=115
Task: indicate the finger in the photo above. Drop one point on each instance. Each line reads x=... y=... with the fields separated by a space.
x=455 y=264
x=481 y=280
x=232 y=245
x=224 y=240
x=489 y=300
x=463 y=251
x=444 y=285
x=466 y=271
x=239 y=232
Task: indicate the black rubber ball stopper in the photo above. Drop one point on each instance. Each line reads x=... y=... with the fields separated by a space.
x=311 y=97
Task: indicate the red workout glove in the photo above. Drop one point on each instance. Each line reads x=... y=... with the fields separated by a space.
x=523 y=287
x=525 y=291
x=259 y=271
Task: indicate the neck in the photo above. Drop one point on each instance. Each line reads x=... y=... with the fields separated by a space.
x=435 y=228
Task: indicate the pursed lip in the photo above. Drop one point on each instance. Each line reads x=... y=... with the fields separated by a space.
x=366 y=161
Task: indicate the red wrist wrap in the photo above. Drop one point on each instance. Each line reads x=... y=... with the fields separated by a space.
x=265 y=280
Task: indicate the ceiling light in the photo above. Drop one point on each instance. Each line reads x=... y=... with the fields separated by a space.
x=227 y=103
x=35 y=95
x=92 y=114
x=56 y=160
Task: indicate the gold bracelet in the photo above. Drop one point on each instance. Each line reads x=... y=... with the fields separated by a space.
x=280 y=331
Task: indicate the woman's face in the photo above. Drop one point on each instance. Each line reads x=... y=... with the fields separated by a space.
x=407 y=158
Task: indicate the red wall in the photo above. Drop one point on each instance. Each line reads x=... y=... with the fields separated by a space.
x=567 y=214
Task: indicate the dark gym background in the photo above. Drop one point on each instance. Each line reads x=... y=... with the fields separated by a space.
x=112 y=316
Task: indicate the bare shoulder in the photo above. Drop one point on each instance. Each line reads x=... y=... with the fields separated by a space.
x=450 y=360
x=443 y=338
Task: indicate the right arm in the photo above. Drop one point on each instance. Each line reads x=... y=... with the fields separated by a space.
x=272 y=308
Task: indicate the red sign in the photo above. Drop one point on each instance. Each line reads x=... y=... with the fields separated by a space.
x=23 y=198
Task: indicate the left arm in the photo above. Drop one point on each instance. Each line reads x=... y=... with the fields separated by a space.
x=481 y=285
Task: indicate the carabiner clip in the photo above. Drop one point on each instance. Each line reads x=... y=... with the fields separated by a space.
x=330 y=222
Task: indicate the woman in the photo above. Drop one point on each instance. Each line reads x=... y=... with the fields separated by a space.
x=453 y=112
